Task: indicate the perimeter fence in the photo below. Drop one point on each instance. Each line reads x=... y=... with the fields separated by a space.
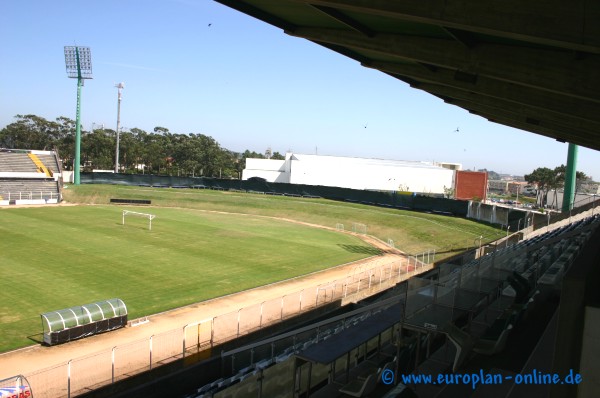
x=392 y=199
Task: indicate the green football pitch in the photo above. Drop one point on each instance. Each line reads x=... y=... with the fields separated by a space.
x=203 y=244
x=55 y=258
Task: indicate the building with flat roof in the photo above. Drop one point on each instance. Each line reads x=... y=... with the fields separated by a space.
x=355 y=173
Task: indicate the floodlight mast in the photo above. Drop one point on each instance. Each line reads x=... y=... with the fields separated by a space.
x=120 y=88
x=78 y=61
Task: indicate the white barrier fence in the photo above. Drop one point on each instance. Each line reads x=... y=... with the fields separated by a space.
x=28 y=197
x=105 y=367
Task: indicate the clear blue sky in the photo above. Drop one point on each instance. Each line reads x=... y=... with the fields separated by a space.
x=243 y=82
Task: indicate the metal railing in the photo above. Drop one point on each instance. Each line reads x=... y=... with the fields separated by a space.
x=122 y=361
x=29 y=195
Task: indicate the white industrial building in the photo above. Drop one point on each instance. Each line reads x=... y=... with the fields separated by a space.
x=355 y=173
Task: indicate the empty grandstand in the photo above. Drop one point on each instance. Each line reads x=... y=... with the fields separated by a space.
x=427 y=326
x=480 y=316
x=29 y=177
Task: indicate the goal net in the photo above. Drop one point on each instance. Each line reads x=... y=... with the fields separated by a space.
x=359 y=228
x=150 y=217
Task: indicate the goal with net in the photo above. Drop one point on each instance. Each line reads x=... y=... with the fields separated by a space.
x=150 y=217
x=359 y=228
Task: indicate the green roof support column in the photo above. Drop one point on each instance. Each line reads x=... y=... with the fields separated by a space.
x=570 y=179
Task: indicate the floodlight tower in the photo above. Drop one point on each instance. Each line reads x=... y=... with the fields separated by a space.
x=120 y=88
x=79 y=65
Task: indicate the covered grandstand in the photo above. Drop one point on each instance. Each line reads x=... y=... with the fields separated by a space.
x=432 y=325
x=496 y=314
x=532 y=66
x=523 y=308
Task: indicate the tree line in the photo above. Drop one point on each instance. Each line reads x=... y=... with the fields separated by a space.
x=163 y=152
x=157 y=152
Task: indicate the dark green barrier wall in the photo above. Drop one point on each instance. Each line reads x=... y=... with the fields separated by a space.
x=385 y=199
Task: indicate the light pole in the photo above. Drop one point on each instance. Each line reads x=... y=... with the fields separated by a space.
x=78 y=61
x=120 y=88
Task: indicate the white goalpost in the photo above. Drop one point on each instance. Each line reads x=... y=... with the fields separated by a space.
x=150 y=217
x=359 y=228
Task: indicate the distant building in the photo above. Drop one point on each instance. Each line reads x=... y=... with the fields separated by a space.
x=530 y=190
x=516 y=187
x=355 y=173
x=498 y=186
x=506 y=187
x=588 y=187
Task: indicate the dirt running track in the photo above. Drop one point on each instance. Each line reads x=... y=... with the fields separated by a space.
x=31 y=359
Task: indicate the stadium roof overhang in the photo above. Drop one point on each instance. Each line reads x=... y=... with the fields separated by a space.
x=532 y=65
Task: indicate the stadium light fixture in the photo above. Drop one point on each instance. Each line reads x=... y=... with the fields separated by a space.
x=120 y=88
x=78 y=61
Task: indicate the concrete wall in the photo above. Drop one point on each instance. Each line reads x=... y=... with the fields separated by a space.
x=581 y=199
x=269 y=169
x=488 y=213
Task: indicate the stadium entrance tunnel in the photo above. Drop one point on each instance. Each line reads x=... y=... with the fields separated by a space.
x=74 y=323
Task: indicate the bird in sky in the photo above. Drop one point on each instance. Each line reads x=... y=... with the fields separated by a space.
x=457 y=130
x=209 y=25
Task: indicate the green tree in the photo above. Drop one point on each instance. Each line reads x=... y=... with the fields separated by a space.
x=159 y=151
x=29 y=132
x=65 y=140
x=580 y=176
x=543 y=177
x=548 y=179
x=97 y=150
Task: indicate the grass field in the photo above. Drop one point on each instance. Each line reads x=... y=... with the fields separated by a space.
x=58 y=257
x=412 y=232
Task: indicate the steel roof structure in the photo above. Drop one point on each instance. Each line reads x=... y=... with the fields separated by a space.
x=531 y=65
